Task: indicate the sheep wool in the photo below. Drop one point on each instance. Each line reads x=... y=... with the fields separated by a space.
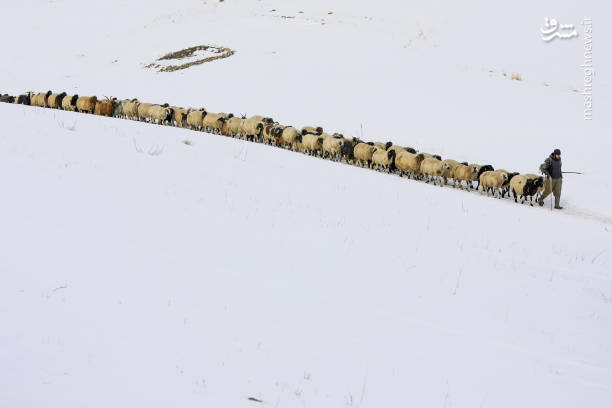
x=213 y=122
x=461 y=173
x=160 y=114
x=362 y=153
x=383 y=159
x=290 y=136
x=86 y=104
x=312 y=143
x=312 y=130
x=251 y=129
x=232 y=126
x=434 y=168
x=493 y=181
x=55 y=100
x=409 y=163
x=130 y=109
x=69 y=102
x=524 y=186
x=195 y=118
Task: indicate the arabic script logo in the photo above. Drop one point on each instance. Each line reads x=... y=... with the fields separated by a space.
x=552 y=29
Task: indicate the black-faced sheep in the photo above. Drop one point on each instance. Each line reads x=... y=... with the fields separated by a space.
x=399 y=149
x=482 y=169
x=432 y=156
x=213 y=122
x=41 y=99
x=540 y=189
x=523 y=186
x=506 y=185
x=347 y=150
x=160 y=115
x=179 y=116
x=271 y=133
x=312 y=130
x=383 y=159
x=69 y=103
x=25 y=99
x=55 y=100
x=260 y=118
x=251 y=129
x=383 y=146
x=312 y=143
x=6 y=98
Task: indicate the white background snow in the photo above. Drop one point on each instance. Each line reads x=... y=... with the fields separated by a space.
x=207 y=273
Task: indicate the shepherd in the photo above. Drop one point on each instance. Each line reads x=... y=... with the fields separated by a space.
x=551 y=168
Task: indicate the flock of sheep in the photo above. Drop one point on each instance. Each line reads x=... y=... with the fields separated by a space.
x=404 y=161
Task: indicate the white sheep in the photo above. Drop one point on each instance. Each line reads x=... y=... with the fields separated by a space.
x=40 y=99
x=55 y=100
x=194 y=119
x=493 y=181
x=447 y=172
x=130 y=109
x=409 y=163
x=251 y=129
x=160 y=114
x=213 y=122
x=383 y=159
x=363 y=153
x=143 y=111
x=434 y=168
x=179 y=116
x=290 y=137
x=463 y=172
x=332 y=147
x=312 y=143
x=232 y=126
x=69 y=102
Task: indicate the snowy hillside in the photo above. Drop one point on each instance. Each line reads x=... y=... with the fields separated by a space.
x=152 y=266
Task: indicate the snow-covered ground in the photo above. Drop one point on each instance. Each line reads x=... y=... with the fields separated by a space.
x=137 y=269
